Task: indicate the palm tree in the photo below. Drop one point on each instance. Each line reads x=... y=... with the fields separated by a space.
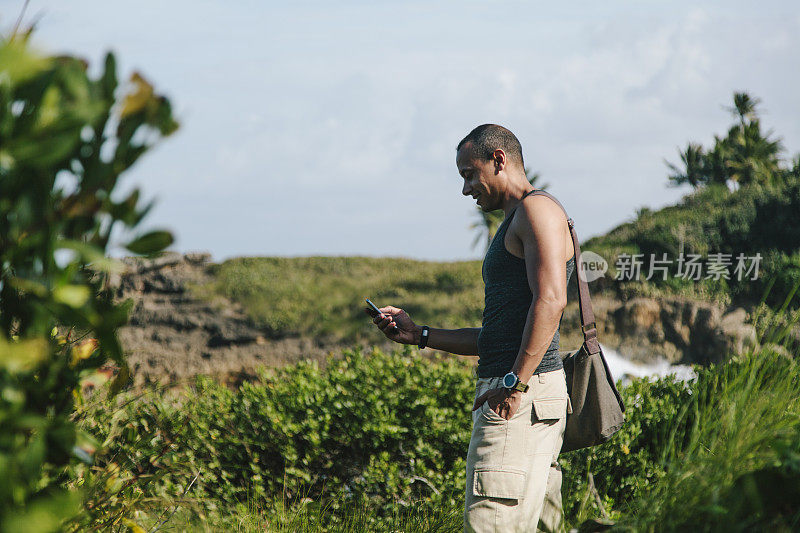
x=794 y=171
x=753 y=157
x=744 y=156
x=487 y=222
x=694 y=168
x=714 y=162
x=744 y=107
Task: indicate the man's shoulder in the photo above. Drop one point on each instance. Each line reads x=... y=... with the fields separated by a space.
x=537 y=210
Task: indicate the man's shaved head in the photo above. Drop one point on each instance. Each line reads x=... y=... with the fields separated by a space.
x=487 y=138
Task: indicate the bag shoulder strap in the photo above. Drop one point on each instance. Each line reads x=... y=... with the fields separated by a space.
x=588 y=325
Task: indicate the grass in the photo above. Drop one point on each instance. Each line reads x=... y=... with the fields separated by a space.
x=737 y=424
x=304 y=516
x=736 y=438
x=324 y=296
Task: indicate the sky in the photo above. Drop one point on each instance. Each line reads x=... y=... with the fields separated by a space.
x=329 y=128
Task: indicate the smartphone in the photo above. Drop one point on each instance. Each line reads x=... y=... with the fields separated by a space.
x=377 y=311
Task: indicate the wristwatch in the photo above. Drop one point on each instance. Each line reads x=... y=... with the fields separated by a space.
x=423 y=337
x=511 y=381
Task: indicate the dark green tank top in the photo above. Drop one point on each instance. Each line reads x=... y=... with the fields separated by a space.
x=508 y=298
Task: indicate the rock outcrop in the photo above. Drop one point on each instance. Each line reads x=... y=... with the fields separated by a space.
x=174 y=334
x=678 y=329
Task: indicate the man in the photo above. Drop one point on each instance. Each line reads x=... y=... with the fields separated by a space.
x=521 y=399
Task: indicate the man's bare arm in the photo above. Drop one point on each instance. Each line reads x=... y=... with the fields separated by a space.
x=541 y=230
x=462 y=341
x=398 y=326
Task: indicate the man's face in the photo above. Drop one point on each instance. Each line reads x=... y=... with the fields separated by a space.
x=480 y=178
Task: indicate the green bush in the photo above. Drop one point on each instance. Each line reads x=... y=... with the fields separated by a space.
x=629 y=464
x=65 y=139
x=389 y=428
x=391 y=431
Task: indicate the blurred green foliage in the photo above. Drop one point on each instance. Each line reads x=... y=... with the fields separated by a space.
x=65 y=139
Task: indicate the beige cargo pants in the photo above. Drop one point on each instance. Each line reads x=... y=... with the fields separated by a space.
x=512 y=464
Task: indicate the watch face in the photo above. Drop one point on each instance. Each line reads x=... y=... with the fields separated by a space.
x=509 y=380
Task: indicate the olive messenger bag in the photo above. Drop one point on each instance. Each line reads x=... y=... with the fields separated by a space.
x=597 y=408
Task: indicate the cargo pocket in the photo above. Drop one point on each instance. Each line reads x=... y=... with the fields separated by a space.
x=551 y=408
x=498 y=482
x=547 y=418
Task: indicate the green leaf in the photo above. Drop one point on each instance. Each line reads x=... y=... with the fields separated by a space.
x=46 y=149
x=109 y=80
x=74 y=296
x=29 y=286
x=19 y=64
x=150 y=243
x=34 y=454
x=120 y=380
x=22 y=355
x=138 y=99
x=132 y=526
x=44 y=513
x=93 y=256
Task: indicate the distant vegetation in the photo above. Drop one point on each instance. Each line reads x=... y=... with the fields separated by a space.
x=324 y=296
x=745 y=156
x=746 y=201
x=754 y=219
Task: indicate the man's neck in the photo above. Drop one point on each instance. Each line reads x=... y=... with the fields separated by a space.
x=514 y=196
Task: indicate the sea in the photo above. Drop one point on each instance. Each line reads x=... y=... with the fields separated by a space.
x=624 y=369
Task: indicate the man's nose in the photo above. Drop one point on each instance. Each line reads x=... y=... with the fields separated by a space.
x=466 y=189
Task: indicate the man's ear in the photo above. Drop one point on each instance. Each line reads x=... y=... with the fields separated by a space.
x=499 y=157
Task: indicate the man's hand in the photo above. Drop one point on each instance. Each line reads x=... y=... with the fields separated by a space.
x=395 y=324
x=502 y=401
